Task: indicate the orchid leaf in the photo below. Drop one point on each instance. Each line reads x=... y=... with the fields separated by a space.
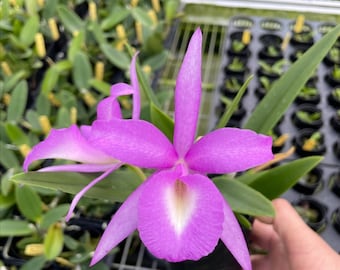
x=50 y=80
x=116 y=15
x=101 y=86
x=271 y=108
x=274 y=182
x=16 y=135
x=70 y=19
x=117 y=58
x=243 y=199
x=75 y=45
x=116 y=187
x=7 y=158
x=82 y=70
x=28 y=31
x=53 y=215
x=28 y=202
x=18 y=102
x=10 y=227
x=53 y=241
x=162 y=121
x=37 y=262
x=141 y=16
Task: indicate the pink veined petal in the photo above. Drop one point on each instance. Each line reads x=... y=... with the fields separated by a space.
x=232 y=237
x=67 y=143
x=108 y=109
x=136 y=142
x=121 y=89
x=123 y=223
x=86 y=168
x=81 y=193
x=229 y=150
x=188 y=96
x=135 y=86
x=180 y=217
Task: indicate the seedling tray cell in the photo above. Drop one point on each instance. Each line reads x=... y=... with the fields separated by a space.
x=263 y=38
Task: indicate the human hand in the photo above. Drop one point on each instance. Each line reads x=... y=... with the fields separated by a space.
x=290 y=243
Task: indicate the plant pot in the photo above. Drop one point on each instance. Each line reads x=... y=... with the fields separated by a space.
x=313 y=213
x=333 y=99
x=271 y=39
x=219 y=259
x=244 y=52
x=308 y=98
x=237 y=115
x=310 y=183
x=332 y=81
x=336 y=219
x=271 y=52
x=335 y=122
x=304 y=114
x=336 y=149
x=232 y=85
x=317 y=149
x=334 y=183
x=333 y=57
x=236 y=67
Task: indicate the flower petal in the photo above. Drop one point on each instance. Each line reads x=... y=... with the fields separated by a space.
x=108 y=109
x=67 y=143
x=136 y=142
x=229 y=150
x=188 y=95
x=86 y=168
x=123 y=223
x=180 y=217
x=232 y=237
x=81 y=193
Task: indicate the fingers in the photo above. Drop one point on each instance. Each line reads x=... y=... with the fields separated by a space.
x=262 y=235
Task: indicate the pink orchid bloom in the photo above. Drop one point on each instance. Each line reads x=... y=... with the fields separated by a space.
x=178 y=211
x=72 y=143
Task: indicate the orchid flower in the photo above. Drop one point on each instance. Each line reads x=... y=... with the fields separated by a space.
x=178 y=211
x=72 y=143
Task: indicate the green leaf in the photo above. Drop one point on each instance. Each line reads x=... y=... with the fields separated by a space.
x=162 y=121
x=157 y=61
x=63 y=118
x=274 y=182
x=53 y=241
x=82 y=70
x=6 y=185
x=53 y=215
x=28 y=31
x=116 y=15
x=243 y=199
x=10 y=227
x=18 y=102
x=117 y=58
x=16 y=134
x=141 y=16
x=275 y=103
x=101 y=86
x=37 y=262
x=13 y=80
x=31 y=6
x=28 y=202
x=75 y=45
x=7 y=158
x=97 y=32
x=116 y=187
x=71 y=21
x=63 y=65
x=43 y=105
x=50 y=80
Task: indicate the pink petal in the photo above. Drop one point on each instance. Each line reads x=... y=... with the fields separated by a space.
x=67 y=143
x=123 y=223
x=180 y=217
x=229 y=150
x=188 y=95
x=232 y=237
x=135 y=86
x=136 y=142
x=81 y=193
x=108 y=109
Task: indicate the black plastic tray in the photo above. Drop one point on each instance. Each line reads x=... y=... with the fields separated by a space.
x=259 y=27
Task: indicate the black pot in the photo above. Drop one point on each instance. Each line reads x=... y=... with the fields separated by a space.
x=219 y=259
x=229 y=70
x=331 y=80
x=317 y=223
x=266 y=54
x=336 y=219
x=333 y=101
x=237 y=115
x=271 y=39
x=334 y=183
x=335 y=122
x=232 y=92
x=301 y=123
x=310 y=183
x=336 y=149
x=308 y=99
x=245 y=52
x=302 y=39
x=300 y=140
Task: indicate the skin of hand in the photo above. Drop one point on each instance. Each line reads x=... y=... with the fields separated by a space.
x=290 y=243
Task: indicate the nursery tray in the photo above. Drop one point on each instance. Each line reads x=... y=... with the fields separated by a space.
x=275 y=30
